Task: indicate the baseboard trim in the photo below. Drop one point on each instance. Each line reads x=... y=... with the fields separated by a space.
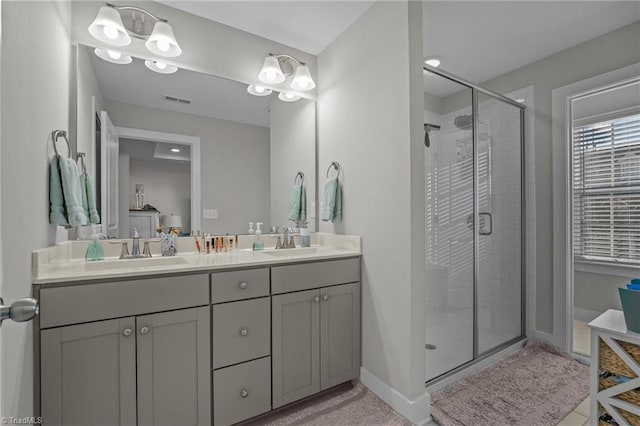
x=547 y=337
x=417 y=411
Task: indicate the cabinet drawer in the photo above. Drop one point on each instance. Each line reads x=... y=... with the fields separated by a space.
x=238 y=285
x=242 y=391
x=241 y=331
x=93 y=302
x=306 y=276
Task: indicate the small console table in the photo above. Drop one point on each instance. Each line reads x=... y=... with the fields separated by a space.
x=615 y=371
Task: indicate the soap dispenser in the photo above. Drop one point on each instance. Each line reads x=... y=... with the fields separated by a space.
x=257 y=243
x=251 y=231
x=95 y=250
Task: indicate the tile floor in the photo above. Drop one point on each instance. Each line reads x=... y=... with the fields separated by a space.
x=579 y=416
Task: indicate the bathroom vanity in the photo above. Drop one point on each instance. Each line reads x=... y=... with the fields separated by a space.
x=212 y=339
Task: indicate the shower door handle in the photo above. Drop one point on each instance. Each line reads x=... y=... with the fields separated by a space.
x=485 y=218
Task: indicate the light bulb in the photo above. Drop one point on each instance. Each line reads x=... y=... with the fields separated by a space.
x=175 y=150
x=113 y=54
x=163 y=45
x=271 y=76
x=110 y=31
x=161 y=65
x=259 y=89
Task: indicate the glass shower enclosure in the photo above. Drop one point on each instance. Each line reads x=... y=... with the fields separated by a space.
x=474 y=182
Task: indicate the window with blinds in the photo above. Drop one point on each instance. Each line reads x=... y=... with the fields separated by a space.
x=606 y=190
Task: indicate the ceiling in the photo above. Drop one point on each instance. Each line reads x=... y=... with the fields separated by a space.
x=478 y=40
x=210 y=96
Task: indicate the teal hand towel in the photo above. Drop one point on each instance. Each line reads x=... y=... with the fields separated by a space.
x=94 y=217
x=298 y=204
x=83 y=194
x=70 y=178
x=332 y=205
x=57 y=214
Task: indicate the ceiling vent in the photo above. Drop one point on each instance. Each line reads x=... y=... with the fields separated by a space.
x=171 y=98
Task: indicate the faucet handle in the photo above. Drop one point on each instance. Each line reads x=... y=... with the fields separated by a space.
x=278 y=243
x=125 y=248
x=146 y=251
x=292 y=243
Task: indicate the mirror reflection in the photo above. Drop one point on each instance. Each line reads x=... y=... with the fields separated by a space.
x=188 y=150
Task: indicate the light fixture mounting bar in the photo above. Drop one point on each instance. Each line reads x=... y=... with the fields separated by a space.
x=137 y=9
x=281 y=57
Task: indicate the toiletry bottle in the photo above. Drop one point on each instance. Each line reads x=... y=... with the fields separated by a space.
x=251 y=231
x=95 y=250
x=257 y=243
x=305 y=237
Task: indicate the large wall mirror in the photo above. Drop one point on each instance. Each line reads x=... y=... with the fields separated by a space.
x=198 y=147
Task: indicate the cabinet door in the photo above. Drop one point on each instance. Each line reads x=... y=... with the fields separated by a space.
x=173 y=363
x=88 y=373
x=339 y=334
x=296 y=346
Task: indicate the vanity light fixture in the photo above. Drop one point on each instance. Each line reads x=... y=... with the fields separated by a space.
x=259 y=90
x=160 y=67
x=433 y=61
x=175 y=150
x=113 y=56
x=288 y=97
x=277 y=68
x=115 y=25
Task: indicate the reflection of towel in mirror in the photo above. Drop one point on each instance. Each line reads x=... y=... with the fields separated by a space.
x=57 y=214
x=298 y=204
x=332 y=205
x=69 y=182
x=88 y=190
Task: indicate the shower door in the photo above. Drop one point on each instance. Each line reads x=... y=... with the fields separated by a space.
x=474 y=222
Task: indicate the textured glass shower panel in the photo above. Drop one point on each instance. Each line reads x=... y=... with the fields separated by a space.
x=499 y=280
x=449 y=243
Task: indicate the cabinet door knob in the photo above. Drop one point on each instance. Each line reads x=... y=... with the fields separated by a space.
x=144 y=330
x=316 y=299
x=244 y=332
x=126 y=332
x=325 y=297
x=244 y=393
x=243 y=285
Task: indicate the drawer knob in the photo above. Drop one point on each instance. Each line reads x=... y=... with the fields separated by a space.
x=244 y=393
x=126 y=332
x=244 y=332
x=325 y=297
x=144 y=330
x=243 y=285
x=316 y=299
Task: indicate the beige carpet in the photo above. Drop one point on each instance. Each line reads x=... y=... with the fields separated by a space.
x=346 y=405
x=536 y=386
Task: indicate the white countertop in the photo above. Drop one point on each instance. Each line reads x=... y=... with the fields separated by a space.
x=56 y=265
x=612 y=321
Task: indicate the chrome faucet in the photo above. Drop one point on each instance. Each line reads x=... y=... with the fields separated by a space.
x=135 y=244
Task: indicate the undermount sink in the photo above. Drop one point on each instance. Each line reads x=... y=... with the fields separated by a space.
x=142 y=262
x=306 y=251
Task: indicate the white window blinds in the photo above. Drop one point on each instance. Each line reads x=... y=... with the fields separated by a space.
x=606 y=190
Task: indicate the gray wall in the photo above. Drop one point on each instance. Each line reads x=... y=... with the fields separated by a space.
x=293 y=149
x=167 y=186
x=597 y=292
x=234 y=164
x=86 y=87
x=35 y=73
x=371 y=123
x=614 y=50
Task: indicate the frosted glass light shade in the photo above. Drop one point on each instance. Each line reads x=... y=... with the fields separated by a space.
x=160 y=67
x=113 y=56
x=162 y=41
x=288 y=97
x=302 y=79
x=108 y=27
x=271 y=72
x=259 y=90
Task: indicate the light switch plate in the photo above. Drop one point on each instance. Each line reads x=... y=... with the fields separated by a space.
x=209 y=213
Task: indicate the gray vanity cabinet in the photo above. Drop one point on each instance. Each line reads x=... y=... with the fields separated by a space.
x=316 y=333
x=88 y=373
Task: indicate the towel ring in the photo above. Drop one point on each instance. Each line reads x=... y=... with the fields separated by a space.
x=299 y=175
x=336 y=166
x=54 y=137
x=82 y=163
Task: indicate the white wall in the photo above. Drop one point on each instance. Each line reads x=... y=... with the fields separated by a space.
x=167 y=186
x=293 y=149
x=35 y=100
x=614 y=50
x=234 y=162
x=370 y=120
